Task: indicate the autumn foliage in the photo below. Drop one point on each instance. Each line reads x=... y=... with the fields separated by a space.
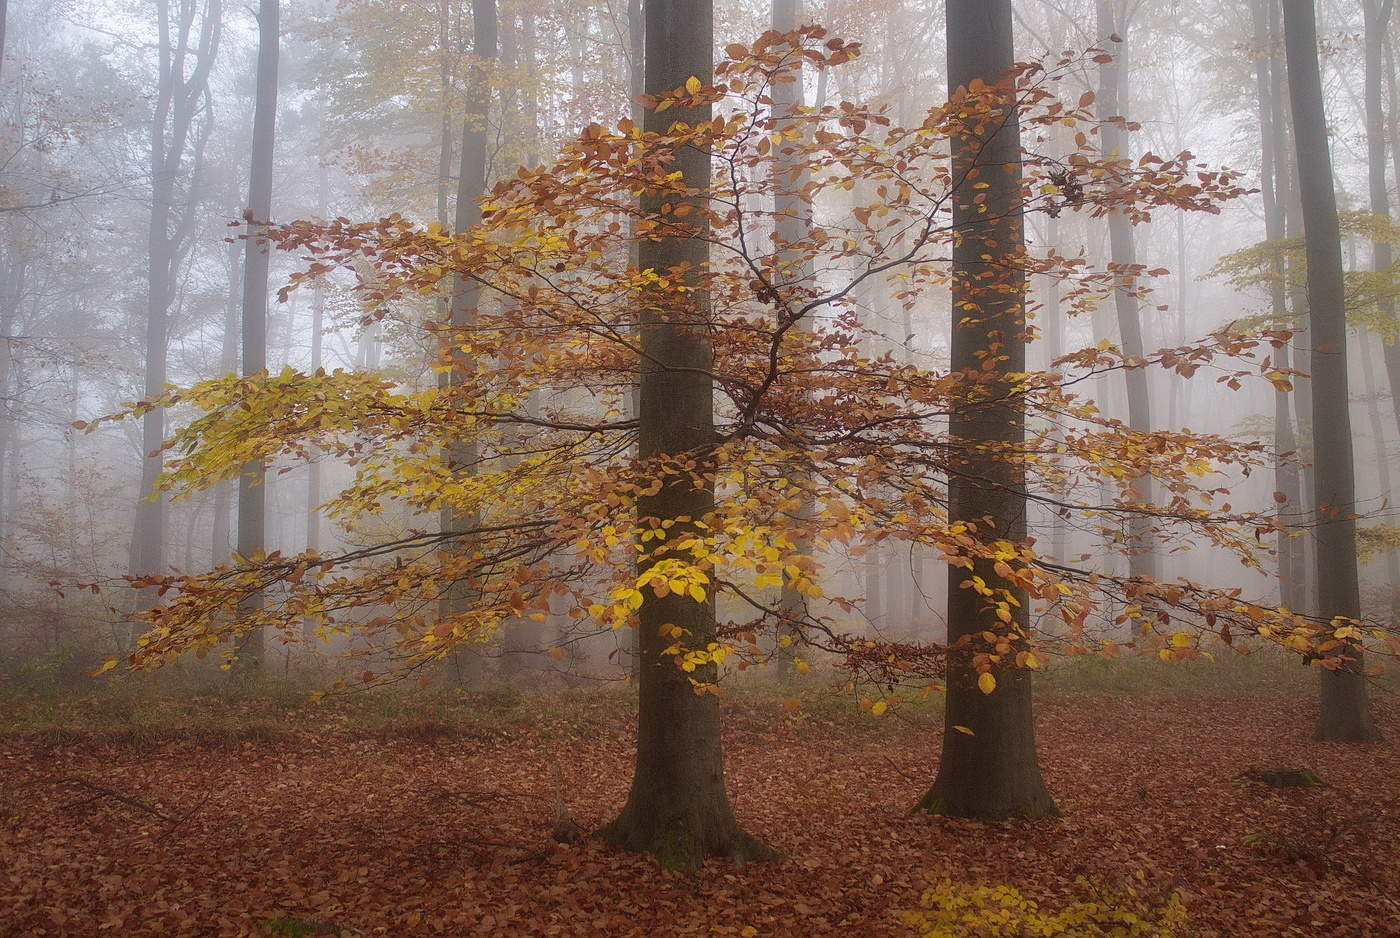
x=820 y=447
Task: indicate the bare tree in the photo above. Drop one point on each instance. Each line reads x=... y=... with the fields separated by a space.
x=188 y=41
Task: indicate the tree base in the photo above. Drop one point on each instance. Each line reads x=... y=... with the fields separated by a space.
x=683 y=843
x=1354 y=728
x=1344 y=713
x=1030 y=807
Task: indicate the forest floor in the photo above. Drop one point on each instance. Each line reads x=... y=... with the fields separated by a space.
x=404 y=817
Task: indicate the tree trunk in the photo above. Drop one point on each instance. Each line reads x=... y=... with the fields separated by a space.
x=252 y=494
x=1054 y=331
x=221 y=536
x=1345 y=713
x=1373 y=417
x=318 y=325
x=1273 y=178
x=461 y=455
x=177 y=102
x=1123 y=255
x=791 y=225
x=992 y=773
x=1376 y=16
x=636 y=86
x=148 y=536
x=678 y=809
x=12 y=291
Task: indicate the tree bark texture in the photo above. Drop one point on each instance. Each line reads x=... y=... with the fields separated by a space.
x=1345 y=713
x=991 y=773
x=678 y=809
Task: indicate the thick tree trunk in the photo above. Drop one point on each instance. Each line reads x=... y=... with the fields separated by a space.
x=1345 y=713
x=991 y=773
x=1123 y=255
x=252 y=494
x=678 y=810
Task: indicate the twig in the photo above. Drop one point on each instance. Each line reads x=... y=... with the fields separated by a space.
x=902 y=774
x=101 y=791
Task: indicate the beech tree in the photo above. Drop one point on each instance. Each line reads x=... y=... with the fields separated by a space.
x=678 y=808
x=757 y=398
x=1345 y=713
x=989 y=768
x=252 y=491
x=1112 y=21
x=790 y=226
x=465 y=295
x=1275 y=180
x=1376 y=16
x=187 y=42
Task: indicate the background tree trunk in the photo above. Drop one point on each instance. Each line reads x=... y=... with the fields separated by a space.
x=1274 y=177
x=466 y=294
x=1345 y=713
x=1123 y=255
x=177 y=101
x=252 y=493
x=791 y=225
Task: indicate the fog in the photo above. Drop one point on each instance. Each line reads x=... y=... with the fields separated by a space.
x=371 y=97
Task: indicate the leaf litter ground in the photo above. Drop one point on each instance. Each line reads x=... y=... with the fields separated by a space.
x=424 y=832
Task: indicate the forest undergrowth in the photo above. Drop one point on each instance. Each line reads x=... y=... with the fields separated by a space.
x=245 y=810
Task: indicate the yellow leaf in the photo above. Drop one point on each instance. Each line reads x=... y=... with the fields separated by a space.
x=697 y=592
x=963 y=729
x=107 y=665
x=878 y=707
x=748 y=931
x=692 y=84
x=986 y=683
x=1181 y=640
x=800 y=665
